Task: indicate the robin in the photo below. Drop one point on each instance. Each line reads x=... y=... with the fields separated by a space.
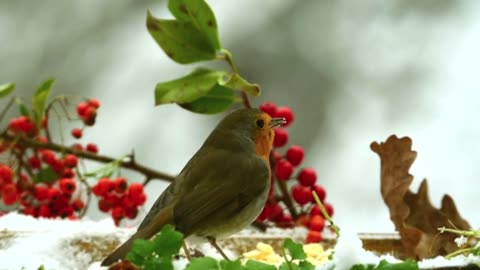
x=223 y=187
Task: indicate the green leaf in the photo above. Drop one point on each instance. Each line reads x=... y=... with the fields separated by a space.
x=232 y=265
x=217 y=100
x=200 y=14
x=256 y=265
x=188 y=88
x=141 y=249
x=384 y=265
x=40 y=99
x=180 y=40
x=168 y=242
x=306 y=265
x=295 y=249
x=205 y=263
x=22 y=108
x=236 y=82
x=288 y=266
x=41 y=267
x=6 y=89
x=158 y=263
x=45 y=175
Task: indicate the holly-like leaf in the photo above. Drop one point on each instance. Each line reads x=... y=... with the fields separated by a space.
x=306 y=265
x=22 y=108
x=200 y=14
x=288 y=266
x=156 y=263
x=232 y=265
x=217 y=100
x=204 y=263
x=234 y=81
x=40 y=99
x=140 y=251
x=256 y=265
x=6 y=89
x=180 y=40
x=168 y=242
x=295 y=249
x=188 y=88
x=45 y=175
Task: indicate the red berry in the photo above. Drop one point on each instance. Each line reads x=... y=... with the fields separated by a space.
x=131 y=212
x=295 y=155
x=118 y=213
x=272 y=210
x=280 y=138
x=286 y=113
x=313 y=237
x=317 y=223
x=90 y=115
x=57 y=166
x=77 y=147
x=301 y=194
x=9 y=194
x=78 y=204
x=307 y=177
x=93 y=148
x=112 y=199
x=127 y=202
x=42 y=139
x=47 y=156
x=104 y=206
x=103 y=186
x=140 y=199
x=315 y=211
x=303 y=220
x=321 y=193
x=67 y=185
x=68 y=173
x=34 y=162
x=44 y=122
x=25 y=198
x=44 y=211
x=284 y=221
x=93 y=102
x=70 y=160
x=135 y=189
x=54 y=194
x=329 y=209
x=77 y=133
x=269 y=108
x=6 y=173
x=276 y=155
x=82 y=108
x=121 y=185
x=29 y=211
x=284 y=169
x=41 y=192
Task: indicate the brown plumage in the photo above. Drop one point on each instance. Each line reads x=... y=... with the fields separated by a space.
x=222 y=189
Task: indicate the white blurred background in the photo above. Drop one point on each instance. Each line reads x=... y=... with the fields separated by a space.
x=353 y=72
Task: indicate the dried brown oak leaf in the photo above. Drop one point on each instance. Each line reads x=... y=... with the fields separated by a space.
x=414 y=217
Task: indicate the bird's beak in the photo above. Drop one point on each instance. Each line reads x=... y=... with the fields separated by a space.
x=276 y=122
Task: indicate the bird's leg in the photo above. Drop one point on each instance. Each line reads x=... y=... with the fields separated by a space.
x=187 y=252
x=213 y=242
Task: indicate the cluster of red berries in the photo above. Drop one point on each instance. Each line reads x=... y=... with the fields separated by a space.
x=283 y=167
x=45 y=183
x=87 y=112
x=119 y=198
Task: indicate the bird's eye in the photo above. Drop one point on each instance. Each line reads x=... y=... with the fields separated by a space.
x=260 y=123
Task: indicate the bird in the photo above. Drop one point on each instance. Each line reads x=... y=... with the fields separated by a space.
x=221 y=190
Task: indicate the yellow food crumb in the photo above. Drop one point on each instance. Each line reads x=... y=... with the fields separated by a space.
x=264 y=253
x=316 y=255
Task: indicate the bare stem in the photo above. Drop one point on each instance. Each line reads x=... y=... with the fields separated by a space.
x=128 y=164
x=227 y=56
x=286 y=198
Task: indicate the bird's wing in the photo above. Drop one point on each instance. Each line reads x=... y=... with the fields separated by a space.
x=222 y=183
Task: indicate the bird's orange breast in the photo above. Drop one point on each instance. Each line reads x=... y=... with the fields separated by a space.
x=263 y=143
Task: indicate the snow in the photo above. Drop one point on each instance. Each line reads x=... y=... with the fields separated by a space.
x=28 y=242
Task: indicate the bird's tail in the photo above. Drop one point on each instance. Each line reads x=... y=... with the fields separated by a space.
x=158 y=221
x=122 y=251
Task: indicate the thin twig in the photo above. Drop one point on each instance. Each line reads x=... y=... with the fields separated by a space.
x=6 y=108
x=284 y=190
x=128 y=164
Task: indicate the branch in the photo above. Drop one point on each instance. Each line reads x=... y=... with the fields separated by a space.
x=286 y=198
x=128 y=164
